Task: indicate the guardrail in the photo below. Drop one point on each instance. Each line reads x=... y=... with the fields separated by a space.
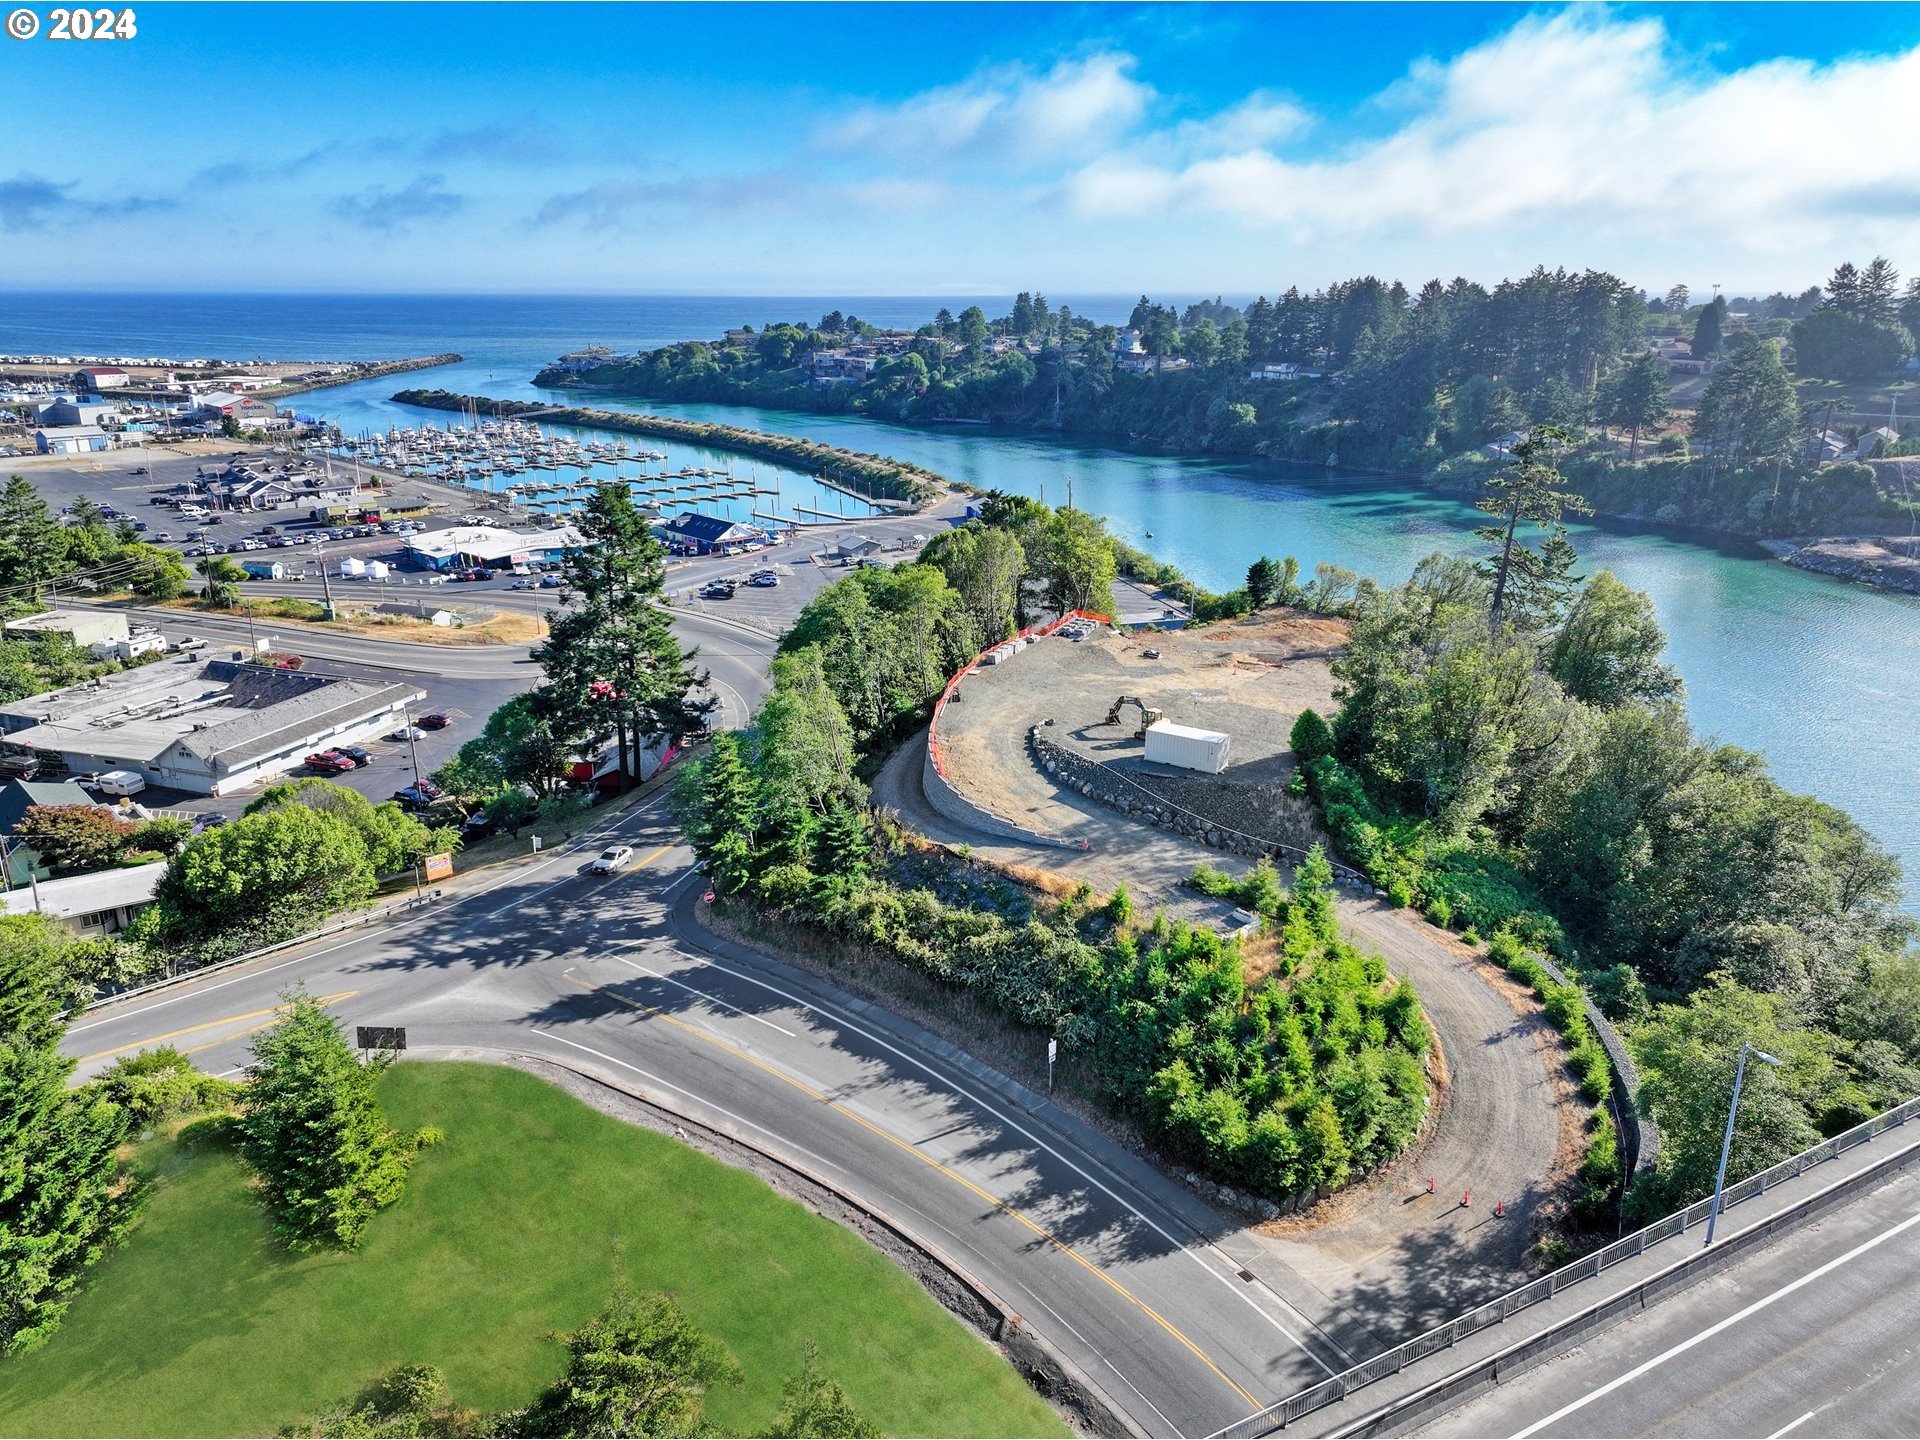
x=351 y=922
x=1391 y=1362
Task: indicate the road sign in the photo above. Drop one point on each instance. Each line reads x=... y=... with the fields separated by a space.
x=440 y=867
x=1053 y=1051
x=380 y=1037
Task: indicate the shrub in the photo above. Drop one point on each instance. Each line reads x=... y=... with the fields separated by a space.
x=153 y=1084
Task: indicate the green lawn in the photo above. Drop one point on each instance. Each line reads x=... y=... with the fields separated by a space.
x=201 y=1325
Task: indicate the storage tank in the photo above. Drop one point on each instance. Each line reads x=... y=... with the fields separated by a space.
x=1186 y=747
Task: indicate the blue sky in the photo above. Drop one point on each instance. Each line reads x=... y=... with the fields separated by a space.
x=965 y=148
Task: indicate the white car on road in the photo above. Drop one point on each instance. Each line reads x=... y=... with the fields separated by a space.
x=610 y=860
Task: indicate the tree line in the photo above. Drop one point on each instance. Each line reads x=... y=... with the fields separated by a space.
x=1287 y=1083
x=1513 y=753
x=83 y=551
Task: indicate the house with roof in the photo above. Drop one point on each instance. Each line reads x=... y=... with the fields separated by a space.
x=102 y=903
x=707 y=533
x=16 y=798
x=92 y=379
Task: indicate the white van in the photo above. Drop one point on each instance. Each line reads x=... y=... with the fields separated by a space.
x=119 y=782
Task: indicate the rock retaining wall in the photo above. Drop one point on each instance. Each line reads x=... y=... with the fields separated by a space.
x=1103 y=783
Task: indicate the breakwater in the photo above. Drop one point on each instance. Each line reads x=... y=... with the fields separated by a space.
x=362 y=370
x=874 y=477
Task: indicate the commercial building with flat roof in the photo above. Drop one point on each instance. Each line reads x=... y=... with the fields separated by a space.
x=208 y=727
x=490 y=545
x=83 y=627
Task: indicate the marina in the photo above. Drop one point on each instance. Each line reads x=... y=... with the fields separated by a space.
x=548 y=472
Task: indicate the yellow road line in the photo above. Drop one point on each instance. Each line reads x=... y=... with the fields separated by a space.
x=1038 y=1229
x=208 y=1025
x=642 y=864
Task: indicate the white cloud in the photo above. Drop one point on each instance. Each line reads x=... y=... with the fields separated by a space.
x=1573 y=118
x=1009 y=113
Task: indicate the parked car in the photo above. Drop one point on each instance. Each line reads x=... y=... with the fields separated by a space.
x=139 y=525
x=139 y=469
x=329 y=762
x=408 y=732
x=419 y=797
x=763 y=582
x=357 y=754
x=524 y=584
x=717 y=590
x=551 y=582
x=436 y=721
x=208 y=821
x=613 y=858
x=188 y=643
x=161 y=537
x=476 y=826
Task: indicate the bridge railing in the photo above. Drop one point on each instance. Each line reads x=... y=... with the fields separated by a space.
x=1390 y=1362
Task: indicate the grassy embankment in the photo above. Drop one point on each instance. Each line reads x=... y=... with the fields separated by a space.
x=500 y=627
x=202 y=1325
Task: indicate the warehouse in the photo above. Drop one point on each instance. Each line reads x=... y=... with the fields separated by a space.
x=207 y=727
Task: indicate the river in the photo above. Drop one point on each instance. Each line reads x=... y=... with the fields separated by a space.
x=1821 y=676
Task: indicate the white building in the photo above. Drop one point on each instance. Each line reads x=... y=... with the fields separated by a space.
x=98 y=904
x=490 y=545
x=207 y=727
x=95 y=378
x=72 y=440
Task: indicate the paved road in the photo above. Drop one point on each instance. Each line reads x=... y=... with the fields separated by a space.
x=1128 y=1275
x=1818 y=1335
x=1385 y=1253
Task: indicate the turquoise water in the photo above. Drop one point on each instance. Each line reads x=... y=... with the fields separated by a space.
x=1821 y=676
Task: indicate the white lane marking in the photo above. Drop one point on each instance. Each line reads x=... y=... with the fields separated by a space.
x=1794 y=1424
x=1167 y=1427
x=710 y=999
x=819 y=1160
x=1712 y=1330
x=190 y=990
x=1012 y=1124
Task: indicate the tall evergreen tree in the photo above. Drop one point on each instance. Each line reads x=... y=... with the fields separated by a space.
x=312 y=1131
x=59 y=1207
x=1525 y=491
x=33 y=548
x=612 y=662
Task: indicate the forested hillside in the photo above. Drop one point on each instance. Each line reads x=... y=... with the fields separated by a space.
x=1375 y=375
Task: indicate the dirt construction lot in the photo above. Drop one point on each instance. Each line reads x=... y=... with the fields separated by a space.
x=1250 y=678
x=1386 y=1254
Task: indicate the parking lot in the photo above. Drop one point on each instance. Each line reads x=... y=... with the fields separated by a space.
x=124 y=480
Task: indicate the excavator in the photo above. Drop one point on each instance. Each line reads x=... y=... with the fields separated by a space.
x=1148 y=715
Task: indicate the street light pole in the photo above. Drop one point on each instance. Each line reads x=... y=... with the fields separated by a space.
x=1726 y=1145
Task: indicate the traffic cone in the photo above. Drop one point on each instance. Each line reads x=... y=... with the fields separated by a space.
x=1499 y=1207
x=1466 y=1199
x=1429 y=1185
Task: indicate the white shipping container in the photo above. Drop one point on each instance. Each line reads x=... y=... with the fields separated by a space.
x=1186 y=747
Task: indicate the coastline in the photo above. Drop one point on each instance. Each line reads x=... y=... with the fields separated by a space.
x=370 y=370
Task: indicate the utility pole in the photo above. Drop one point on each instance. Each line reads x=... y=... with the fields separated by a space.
x=325 y=587
x=1726 y=1145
